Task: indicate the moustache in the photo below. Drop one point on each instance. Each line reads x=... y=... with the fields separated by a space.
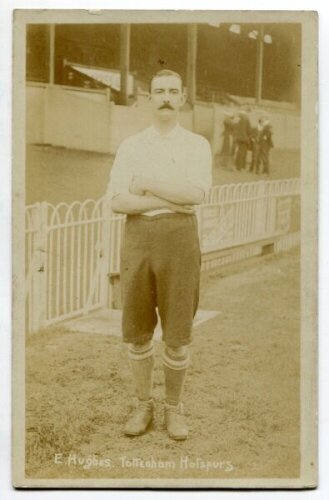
x=166 y=106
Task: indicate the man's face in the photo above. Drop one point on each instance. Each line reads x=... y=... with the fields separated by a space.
x=166 y=96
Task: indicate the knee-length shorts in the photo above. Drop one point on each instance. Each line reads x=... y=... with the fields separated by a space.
x=160 y=270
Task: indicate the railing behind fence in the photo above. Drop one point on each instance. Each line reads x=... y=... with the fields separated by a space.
x=72 y=250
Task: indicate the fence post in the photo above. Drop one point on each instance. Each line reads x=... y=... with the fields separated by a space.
x=260 y=212
x=42 y=271
x=104 y=290
x=39 y=282
x=271 y=204
x=35 y=262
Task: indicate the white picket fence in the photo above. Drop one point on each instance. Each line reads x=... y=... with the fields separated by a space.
x=72 y=250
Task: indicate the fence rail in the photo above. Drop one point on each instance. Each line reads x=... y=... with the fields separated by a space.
x=72 y=250
x=66 y=255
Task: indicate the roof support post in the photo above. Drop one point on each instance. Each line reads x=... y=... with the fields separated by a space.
x=191 y=62
x=124 y=62
x=51 y=54
x=259 y=64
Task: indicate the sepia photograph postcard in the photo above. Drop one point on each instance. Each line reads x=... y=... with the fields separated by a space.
x=164 y=249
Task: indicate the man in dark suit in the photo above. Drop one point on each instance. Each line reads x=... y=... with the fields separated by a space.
x=227 y=151
x=242 y=134
x=254 y=148
x=265 y=143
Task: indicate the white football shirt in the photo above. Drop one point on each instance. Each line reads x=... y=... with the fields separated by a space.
x=180 y=154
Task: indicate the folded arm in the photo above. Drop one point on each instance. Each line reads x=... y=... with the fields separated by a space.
x=181 y=192
x=128 y=203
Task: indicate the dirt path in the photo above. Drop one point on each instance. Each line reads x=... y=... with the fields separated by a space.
x=241 y=397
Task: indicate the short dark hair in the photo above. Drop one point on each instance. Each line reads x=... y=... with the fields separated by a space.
x=165 y=72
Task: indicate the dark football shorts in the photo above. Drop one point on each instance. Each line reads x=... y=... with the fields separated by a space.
x=160 y=268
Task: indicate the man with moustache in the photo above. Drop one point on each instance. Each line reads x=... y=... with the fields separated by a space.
x=158 y=176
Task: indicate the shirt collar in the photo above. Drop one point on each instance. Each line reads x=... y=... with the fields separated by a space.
x=174 y=132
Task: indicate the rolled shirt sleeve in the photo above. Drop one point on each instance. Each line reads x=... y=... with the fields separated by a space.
x=121 y=173
x=199 y=167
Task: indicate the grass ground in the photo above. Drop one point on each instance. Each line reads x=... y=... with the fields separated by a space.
x=241 y=397
x=242 y=391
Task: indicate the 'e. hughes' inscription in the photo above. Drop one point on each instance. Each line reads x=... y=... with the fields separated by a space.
x=183 y=463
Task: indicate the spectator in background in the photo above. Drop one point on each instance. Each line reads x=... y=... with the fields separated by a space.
x=242 y=134
x=265 y=144
x=227 y=150
x=253 y=146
